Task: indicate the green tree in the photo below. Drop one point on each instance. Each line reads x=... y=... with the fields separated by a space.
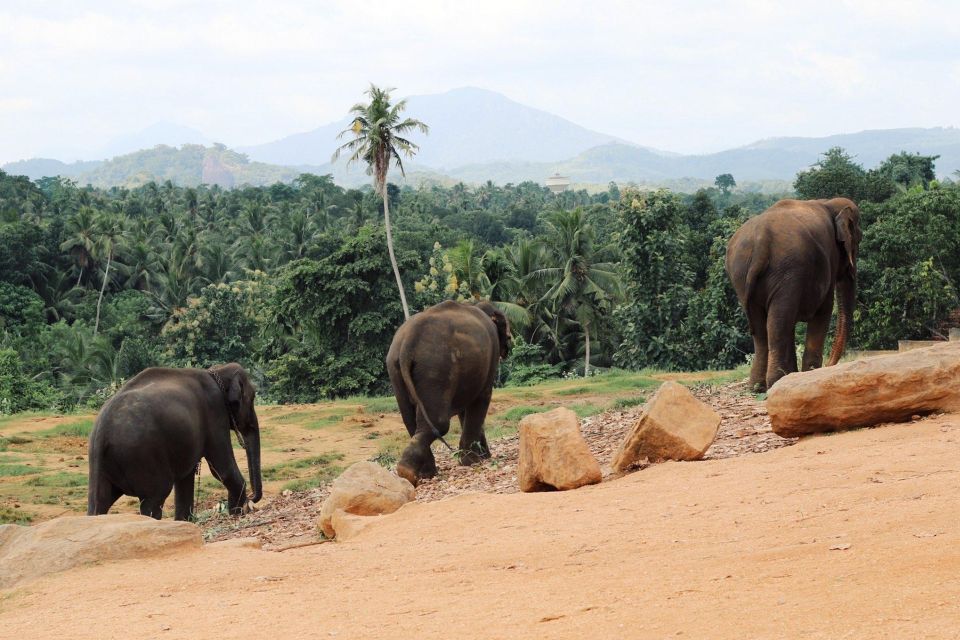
x=834 y=175
x=725 y=182
x=378 y=132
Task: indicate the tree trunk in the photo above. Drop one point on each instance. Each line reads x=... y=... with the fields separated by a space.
x=586 y=358
x=393 y=258
x=106 y=273
x=78 y=277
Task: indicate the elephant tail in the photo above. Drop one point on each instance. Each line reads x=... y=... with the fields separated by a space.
x=759 y=259
x=405 y=365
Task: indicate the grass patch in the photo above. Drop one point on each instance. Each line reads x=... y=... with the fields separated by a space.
x=296 y=416
x=290 y=470
x=587 y=409
x=626 y=403
x=59 y=479
x=327 y=420
x=17 y=417
x=385 y=404
x=574 y=391
x=12 y=441
x=516 y=413
x=79 y=429
x=14 y=516
x=11 y=470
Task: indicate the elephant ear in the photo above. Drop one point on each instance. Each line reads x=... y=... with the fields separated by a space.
x=848 y=234
x=235 y=391
x=503 y=332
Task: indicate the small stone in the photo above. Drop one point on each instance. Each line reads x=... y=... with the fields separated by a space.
x=553 y=453
x=674 y=425
x=365 y=489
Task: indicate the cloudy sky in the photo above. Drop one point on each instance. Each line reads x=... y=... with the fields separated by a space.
x=682 y=76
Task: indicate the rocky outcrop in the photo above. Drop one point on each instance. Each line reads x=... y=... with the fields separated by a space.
x=673 y=425
x=866 y=392
x=27 y=553
x=365 y=489
x=553 y=453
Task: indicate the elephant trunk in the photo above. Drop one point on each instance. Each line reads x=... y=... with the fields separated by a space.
x=846 y=298
x=253 y=464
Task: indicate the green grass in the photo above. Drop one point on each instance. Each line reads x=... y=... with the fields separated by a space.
x=574 y=391
x=385 y=404
x=320 y=465
x=10 y=470
x=587 y=409
x=626 y=403
x=14 y=516
x=516 y=413
x=59 y=479
x=7 y=419
x=296 y=416
x=327 y=420
x=79 y=429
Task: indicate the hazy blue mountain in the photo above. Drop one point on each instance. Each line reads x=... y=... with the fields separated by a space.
x=37 y=168
x=467 y=126
x=159 y=133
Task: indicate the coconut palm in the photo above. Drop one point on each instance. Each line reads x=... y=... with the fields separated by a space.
x=378 y=132
x=582 y=286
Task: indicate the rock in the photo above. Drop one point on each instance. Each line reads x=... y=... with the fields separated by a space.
x=365 y=489
x=27 y=553
x=673 y=425
x=866 y=392
x=553 y=453
x=347 y=525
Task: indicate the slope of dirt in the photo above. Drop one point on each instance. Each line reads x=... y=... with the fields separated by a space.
x=852 y=535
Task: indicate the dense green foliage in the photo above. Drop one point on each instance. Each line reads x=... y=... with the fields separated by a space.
x=294 y=280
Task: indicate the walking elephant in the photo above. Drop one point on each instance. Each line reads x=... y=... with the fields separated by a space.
x=443 y=363
x=785 y=265
x=148 y=439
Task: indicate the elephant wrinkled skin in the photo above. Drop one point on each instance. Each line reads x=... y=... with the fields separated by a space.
x=443 y=363
x=785 y=265
x=150 y=436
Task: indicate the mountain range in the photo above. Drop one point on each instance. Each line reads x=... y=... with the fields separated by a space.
x=478 y=135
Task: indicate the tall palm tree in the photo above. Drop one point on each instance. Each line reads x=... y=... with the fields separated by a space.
x=110 y=228
x=378 y=132
x=582 y=286
x=81 y=239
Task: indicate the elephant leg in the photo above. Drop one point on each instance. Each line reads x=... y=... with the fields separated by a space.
x=408 y=411
x=473 y=441
x=782 y=353
x=183 y=497
x=224 y=468
x=152 y=505
x=101 y=494
x=816 y=335
x=417 y=461
x=758 y=370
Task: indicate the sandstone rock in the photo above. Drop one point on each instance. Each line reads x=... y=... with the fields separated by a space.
x=27 y=553
x=347 y=525
x=674 y=425
x=865 y=392
x=365 y=489
x=553 y=453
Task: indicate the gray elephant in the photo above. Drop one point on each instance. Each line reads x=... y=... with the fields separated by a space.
x=785 y=265
x=443 y=363
x=148 y=439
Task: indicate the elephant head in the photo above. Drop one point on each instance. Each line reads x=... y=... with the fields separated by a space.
x=846 y=221
x=240 y=394
x=503 y=326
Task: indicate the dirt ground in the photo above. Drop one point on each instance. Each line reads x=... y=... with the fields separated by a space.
x=853 y=535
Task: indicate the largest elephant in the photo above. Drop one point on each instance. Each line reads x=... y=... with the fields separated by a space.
x=442 y=363
x=785 y=265
x=148 y=439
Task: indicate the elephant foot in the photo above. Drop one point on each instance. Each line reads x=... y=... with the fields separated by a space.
x=416 y=463
x=407 y=474
x=473 y=455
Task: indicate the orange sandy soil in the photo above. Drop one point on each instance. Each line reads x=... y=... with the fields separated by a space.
x=855 y=535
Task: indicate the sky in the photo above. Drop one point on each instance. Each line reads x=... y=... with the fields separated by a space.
x=690 y=77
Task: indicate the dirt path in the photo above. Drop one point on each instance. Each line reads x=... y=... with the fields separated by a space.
x=853 y=535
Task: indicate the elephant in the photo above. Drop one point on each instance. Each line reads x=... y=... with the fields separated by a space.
x=149 y=438
x=443 y=363
x=786 y=264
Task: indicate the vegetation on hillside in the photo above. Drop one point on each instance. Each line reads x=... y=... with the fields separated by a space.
x=294 y=280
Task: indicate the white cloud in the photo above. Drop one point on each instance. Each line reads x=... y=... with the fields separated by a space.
x=687 y=76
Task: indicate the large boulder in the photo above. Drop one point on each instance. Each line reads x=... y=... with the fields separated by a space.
x=60 y=544
x=365 y=489
x=553 y=454
x=866 y=392
x=673 y=425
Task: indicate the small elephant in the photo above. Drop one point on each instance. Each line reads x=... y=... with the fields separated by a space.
x=443 y=363
x=785 y=265
x=150 y=436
